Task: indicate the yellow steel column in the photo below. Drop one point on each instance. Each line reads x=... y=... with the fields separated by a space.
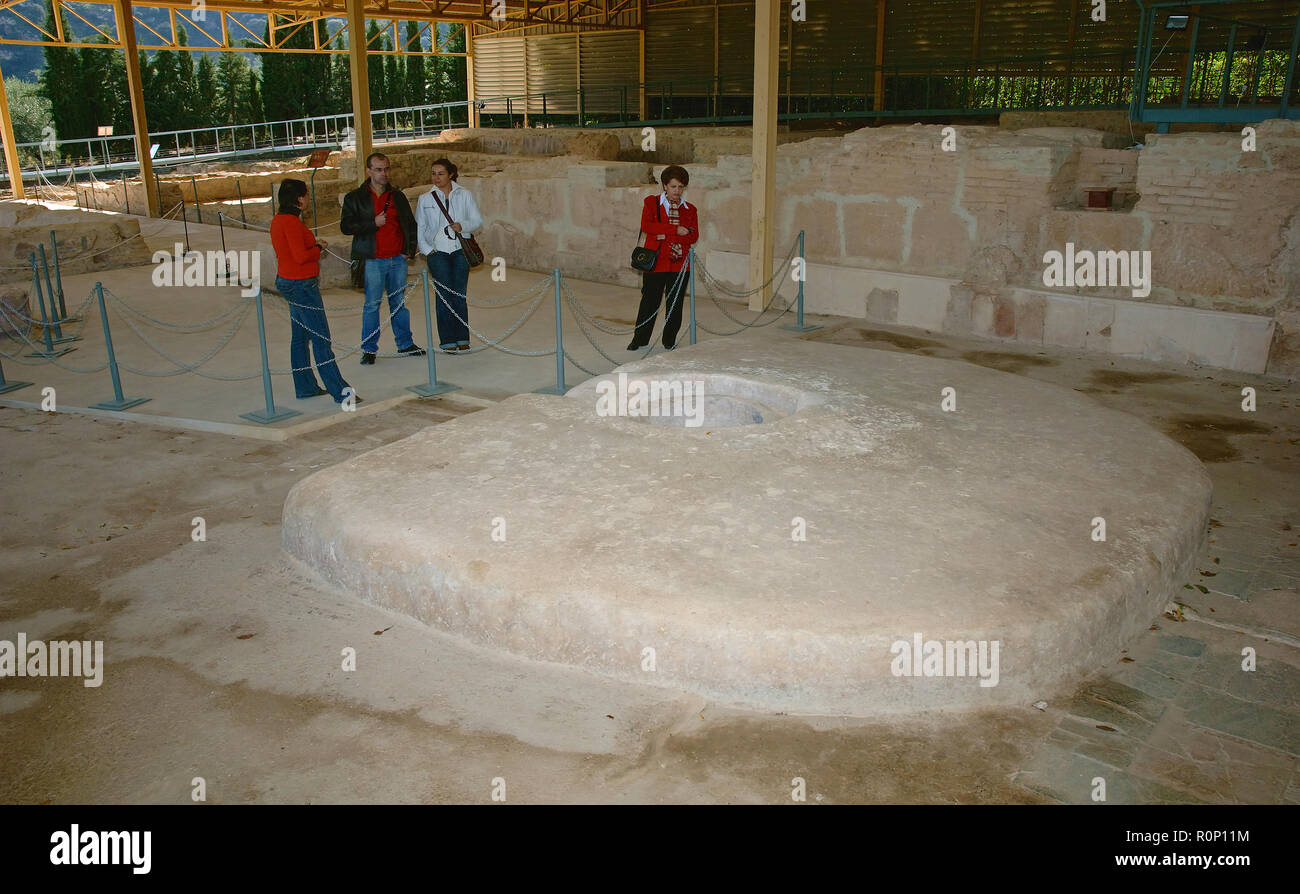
x=360 y=80
x=767 y=34
x=472 y=118
x=11 y=147
x=122 y=17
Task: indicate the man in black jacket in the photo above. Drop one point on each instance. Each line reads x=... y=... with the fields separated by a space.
x=378 y=218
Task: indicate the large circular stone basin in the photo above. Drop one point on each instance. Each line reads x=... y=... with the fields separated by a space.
x=857 y=548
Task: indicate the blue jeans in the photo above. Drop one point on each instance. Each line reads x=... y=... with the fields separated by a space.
x=385 y=276
x=310 y=329
x=450 y=273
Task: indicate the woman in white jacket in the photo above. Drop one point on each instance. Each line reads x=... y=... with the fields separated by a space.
x=448 y=267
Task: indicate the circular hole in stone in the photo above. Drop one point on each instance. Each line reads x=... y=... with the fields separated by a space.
x=681 y=400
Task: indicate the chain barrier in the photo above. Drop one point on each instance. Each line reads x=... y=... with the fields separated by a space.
x=489 y=343
x=20 y=331
x=187 y=367
x=348 y=350
x=180 y=327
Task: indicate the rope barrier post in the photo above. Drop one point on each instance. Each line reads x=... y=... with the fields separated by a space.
x=273 y=413
x=240 y=190
x=118 y=402
x=49 y=353
x=558 y=388
x=58 y=273
x=803 y=274
x=126 y=195
x=198 y=209
x=185 y=221
x=158 y=187
x=225 y=266
x=59 y=337
x=434 y=386
x=691 y=262
x=7 y=386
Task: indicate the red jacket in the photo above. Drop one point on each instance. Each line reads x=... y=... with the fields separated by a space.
x=297 y=254
x=657 y=225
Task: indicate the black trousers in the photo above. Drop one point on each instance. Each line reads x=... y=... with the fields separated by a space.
x=653 y=286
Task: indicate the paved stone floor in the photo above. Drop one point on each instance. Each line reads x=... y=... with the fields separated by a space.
x=222 y=656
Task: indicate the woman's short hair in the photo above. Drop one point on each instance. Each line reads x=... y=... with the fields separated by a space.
x=452 y=170
x=290 y=192
x=675 y=172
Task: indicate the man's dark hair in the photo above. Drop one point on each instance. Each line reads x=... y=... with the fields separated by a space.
x=452 y=170
x=372 y=156
x=289 y=194
x=675 y=172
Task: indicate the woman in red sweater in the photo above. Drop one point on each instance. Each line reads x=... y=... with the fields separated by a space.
x=672 y=226
x=297 y=259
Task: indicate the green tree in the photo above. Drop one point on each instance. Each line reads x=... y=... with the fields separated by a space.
x=205 y=86
x=190 y=109
x=231 y=84
x=29 y=109
x=340 y=82
x=63 y=68
x=415 y=87
x=375 y=67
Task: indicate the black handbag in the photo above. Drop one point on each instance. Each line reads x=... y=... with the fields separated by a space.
x=644 y=259
x=469 y=245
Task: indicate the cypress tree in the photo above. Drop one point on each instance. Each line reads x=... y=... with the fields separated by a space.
x=415 y=88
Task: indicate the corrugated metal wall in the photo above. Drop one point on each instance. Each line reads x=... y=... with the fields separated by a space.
x=690 y=45
x=609 y=65
x=552 y=70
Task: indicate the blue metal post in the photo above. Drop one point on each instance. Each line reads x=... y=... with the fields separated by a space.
x=49 y=351
x=273 y=413
x=58 y=274
x=118 y=402
x=691 y=264
x=433 y=387
x=59 y=337
x=6 y=386
x=799 y=323
x=558 y=387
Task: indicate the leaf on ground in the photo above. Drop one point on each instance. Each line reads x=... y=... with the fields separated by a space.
x=381 y=632
x=610 y=716
x=246 y=636
x=1202 y=589
x=1126 y=660
x=1187 y=586
x=1109 y=729
x=1209 y=573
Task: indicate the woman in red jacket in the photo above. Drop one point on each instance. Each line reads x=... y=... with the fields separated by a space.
x=297 y=260
x=672 y=226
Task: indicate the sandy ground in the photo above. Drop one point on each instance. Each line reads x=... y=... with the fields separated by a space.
x=223 y=657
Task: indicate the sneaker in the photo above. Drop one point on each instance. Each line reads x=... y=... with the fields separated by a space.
x=462 y=347
x=367 y=358
x=411 y=351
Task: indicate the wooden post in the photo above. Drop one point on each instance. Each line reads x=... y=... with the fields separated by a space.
x=767 y=34
x=140 y=124
x=11 y=147
x=360 y=80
